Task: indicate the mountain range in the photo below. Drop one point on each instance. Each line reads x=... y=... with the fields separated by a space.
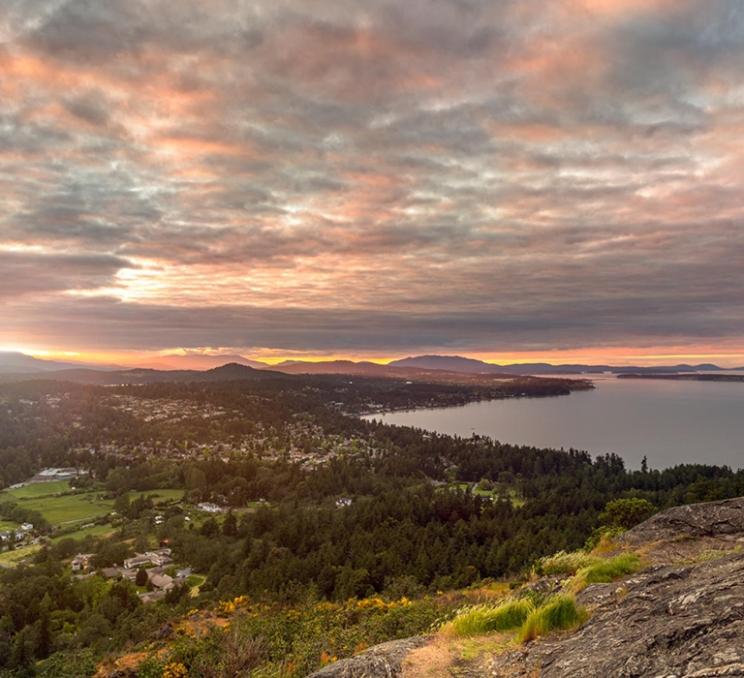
x=460 y=364
x=424 y=367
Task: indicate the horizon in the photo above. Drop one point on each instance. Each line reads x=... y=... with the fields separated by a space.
x=509 y=181
x=198 y=360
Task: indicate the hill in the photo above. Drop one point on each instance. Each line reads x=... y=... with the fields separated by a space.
x=17 y=362
x=195 y=361
x=229 y=372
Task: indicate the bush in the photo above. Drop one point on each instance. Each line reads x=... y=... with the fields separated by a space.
x=559 y=613
x=487 y=618
x=626 y=513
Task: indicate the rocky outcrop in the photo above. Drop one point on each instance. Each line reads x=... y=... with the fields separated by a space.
x=671 y=622
x=381 y=661
x=711 y=519
x=682 y=617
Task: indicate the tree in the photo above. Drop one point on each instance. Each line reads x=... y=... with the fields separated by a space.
x=141 y=578
x=625 y=513
x=210 y=528
x=230 y=526
x=43 y=633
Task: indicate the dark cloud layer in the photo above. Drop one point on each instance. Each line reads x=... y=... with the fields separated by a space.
x=371 y=176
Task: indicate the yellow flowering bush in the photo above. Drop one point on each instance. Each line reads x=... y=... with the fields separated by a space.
x=175 y=670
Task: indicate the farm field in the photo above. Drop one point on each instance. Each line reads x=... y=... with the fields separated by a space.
x=93 y=531
x=57 y=502
x=38 y=489
x=7 y=525
x=70 y=508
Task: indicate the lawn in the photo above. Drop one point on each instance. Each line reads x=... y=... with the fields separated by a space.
x=93 y=531
x=39 y=489
x=499 y=491
x=7 y=525
x=70 y=508
x=12 y=558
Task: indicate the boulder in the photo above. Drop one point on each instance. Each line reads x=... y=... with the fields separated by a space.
x=381 y=661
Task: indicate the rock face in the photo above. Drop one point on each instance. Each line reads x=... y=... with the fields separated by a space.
x=381 y=661
x=682 y=617
x=671 y=622
x=711 y=519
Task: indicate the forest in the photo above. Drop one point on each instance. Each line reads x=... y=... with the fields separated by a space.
x=401 y=513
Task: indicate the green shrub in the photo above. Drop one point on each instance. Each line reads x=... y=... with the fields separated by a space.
x=609 y=569
x=564 y=563
x=559 y=613
x=627 y=512
x=481 y=619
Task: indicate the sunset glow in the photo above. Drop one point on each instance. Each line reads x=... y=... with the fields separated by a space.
x=514 y=181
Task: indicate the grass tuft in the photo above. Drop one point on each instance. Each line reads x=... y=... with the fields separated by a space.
x=564 y=563
x=559 y=613
x=607 y=570
x=481 y=619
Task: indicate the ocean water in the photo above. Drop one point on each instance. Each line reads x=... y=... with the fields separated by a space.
x=669 y=422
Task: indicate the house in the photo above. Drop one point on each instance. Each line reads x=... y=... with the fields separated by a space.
x=162 y=582
x=157 y=557
x=81 y=562
x=129 y=575
x=183 y=573
x=139 y=560
x=48 y=474
x=111 y=572
x=209 y=507
x=342 y=502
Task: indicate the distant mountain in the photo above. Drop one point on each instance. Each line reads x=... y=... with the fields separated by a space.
x=229 y=372
x=375 y=370
x=333 y=367
x=451 y=363
x=470 y=365
x=197 y=361
x=16 y=362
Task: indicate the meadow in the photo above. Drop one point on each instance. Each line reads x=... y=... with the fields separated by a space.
x=62 y=506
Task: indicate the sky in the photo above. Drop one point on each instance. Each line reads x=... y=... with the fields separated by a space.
x=508 y=179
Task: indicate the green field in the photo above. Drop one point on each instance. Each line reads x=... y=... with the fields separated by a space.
x=70 y=508
x=12 y=558
x=62 y=509
x=7 y=525
x=93 y=531
x=38 y=489
x=503 y=492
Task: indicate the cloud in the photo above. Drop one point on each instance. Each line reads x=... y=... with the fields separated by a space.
x=520 y=173
x=30 y=273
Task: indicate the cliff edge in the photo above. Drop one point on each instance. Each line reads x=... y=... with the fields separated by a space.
x=681 y=616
